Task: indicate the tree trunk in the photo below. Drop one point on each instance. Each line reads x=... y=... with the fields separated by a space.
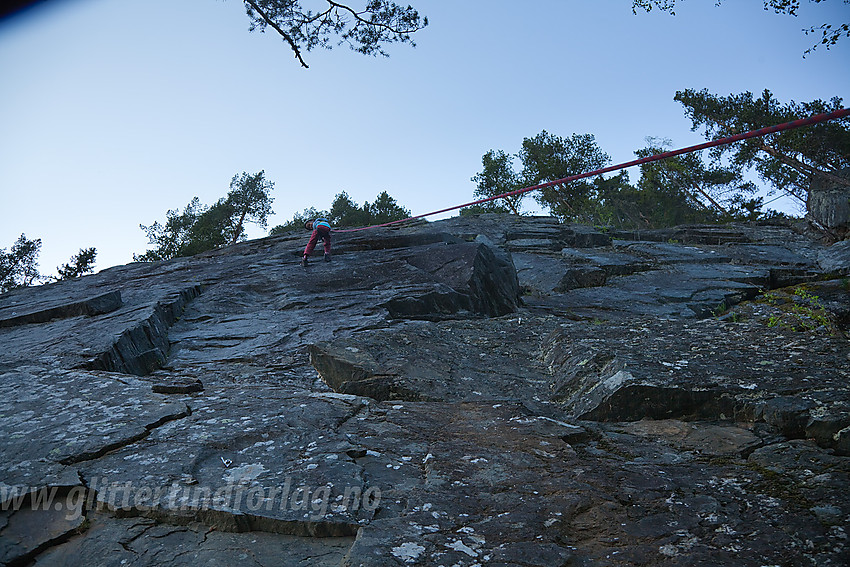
x=238 y=230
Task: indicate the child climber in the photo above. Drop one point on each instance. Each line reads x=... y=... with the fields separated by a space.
x=321 y=230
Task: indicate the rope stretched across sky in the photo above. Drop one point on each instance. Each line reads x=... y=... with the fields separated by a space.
x=835 y=114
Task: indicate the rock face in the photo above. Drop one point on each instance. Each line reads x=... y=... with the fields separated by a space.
x=494 y=390
x=829 y=203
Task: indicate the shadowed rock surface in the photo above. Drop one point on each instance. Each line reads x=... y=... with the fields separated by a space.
x=494 y=390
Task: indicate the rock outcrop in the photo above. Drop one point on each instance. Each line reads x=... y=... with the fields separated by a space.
x=828 y=203
x=493 y=390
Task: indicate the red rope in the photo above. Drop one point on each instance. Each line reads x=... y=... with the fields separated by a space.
x=841 y=113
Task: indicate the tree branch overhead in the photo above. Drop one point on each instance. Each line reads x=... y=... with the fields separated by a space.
x=367 y=31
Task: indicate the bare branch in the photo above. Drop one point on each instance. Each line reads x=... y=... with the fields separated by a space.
x=277 y=28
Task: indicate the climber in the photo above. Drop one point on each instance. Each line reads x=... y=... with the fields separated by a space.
x=321 y=230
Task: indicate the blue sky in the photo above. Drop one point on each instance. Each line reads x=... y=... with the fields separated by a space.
x=112 y=112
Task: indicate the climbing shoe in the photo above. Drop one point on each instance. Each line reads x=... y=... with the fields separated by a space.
x=304 y=262
x=327 y=257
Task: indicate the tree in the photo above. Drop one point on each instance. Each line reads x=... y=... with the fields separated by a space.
x=249 y=200
x=678 y=190
x=702 y=187
x=546 y=158
x=384 y=209
x=829 y=35
x=298 y=220
x=366 y=31
x=496 y=178
x=345 y=212
x=788 y=160
x=19 y=267
x=79 y=264
x=200 y=228
x=212 y=228
x=172 y=238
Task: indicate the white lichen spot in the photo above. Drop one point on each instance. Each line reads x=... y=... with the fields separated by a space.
x=473 y=459
x=244 y=474
x=458 y=545
x=408 y=552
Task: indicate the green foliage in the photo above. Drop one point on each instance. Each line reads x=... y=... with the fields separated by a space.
x=384 y=209
x=345 y=212
x=172 y=238
x=482 y=208
x=364 y=30
x=802 y=311
x=200 y=228
x=788 y=160
x=79 y=264
x=496 y=178
x=249 y=200
x=297 y=222
x=830 y=35
x=681 y=189
x=547 y=157
x=19 y=267
x=674 y=191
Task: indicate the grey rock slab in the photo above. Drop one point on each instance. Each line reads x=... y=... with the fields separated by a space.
x=835 y=258
x=709 y=368
x=645 y=498
x=771 y=254
x=668 y=253
x=614 y=263
x=706 y=439
x=132 y=338
x=538 y=273
x=680 y=291
x=710 y=517
x=447 y=361
x=98 y=305
x=265 y=458
x=34 y=527
x=688 y=234
x=454 y=437
x=139 y=542
x=62 y=417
